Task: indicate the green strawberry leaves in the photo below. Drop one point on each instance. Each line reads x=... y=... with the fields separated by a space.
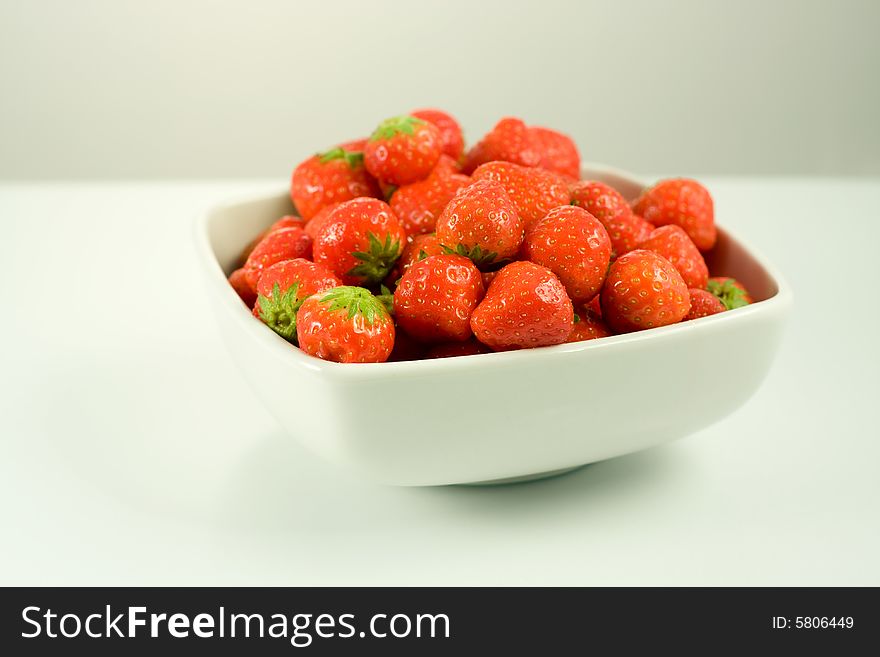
x=386 y=298
x=278 y=311
x=394 y=126
x=353 y=159
x=354 y=301
x=375 y=264
x=728 y=293
x=476 y=254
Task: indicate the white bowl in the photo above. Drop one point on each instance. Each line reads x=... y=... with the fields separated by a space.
x=501 y=416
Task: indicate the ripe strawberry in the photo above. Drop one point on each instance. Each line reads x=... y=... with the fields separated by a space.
x=557 y=151
x=406 y=348
x=331 y=177
x=419 y=248
x=571 y=243
x=283 y=244
x=419 y=204
x=287 y=221
x=451 y=138
x=481 y=223
x=673 y=243
x=525 y=306
x=730 y=291
x=359 y=241
x=683 y=202
x=587 y=327
x=450 y=349
x=239 y=283
x=345 y=324
x=282 y=289
x=533 y=191
x=435 y=298
x=703 y=304
x=315 y=223
x=510 y=140
x=402 y=150
x=643 y=290
x=595 y=306
x=605 y=203
x=488 y=277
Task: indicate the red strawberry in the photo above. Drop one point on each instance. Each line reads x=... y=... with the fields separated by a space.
x=283 y=287
x=683 y=202
x=402 y=150
x=558 y=152
x=481 y=223
x=488 y=277
x=450 y=349
x=672 y=243
x=643 y=290
x=587 y=327
x=287 y=221
x=525 y=306
x=595 y=306
x=435 y=298
x=420 y=203
x=360 y=241
x=703 y=304
x=315 y=223
x=730 y=291
x=406 y=348
x=283 y=244
x=332 y=177
x=510 y=140
x=605 y=203
x=239 y=283
x=571 y=243
x=419 y=248
x=345 y=324
x=451 y=138
x=534 y=192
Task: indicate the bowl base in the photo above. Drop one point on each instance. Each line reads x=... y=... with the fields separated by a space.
x=523 y=478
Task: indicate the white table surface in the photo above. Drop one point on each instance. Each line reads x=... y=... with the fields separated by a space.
x=132 y=452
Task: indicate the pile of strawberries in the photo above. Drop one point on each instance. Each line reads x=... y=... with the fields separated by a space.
x=405 y=246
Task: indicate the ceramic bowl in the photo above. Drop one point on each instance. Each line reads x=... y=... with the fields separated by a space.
x=500 y=417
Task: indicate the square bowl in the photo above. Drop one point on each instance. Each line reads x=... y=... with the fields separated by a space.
x=509 y=416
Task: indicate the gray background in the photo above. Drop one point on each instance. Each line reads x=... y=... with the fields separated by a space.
x=162 y=89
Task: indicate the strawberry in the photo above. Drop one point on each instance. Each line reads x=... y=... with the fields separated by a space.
x=282 y=289
x=558 y=153
x=683 y=202
x=283 y=244
x=481 y=223
x=450 y=349
x=331 y=177
x=287 y=221
x=643 y=290
x=402 y=150
x=703 y=304
x=420 y=203
x=605 y=203
x=510 y=140
x=315 y=223
x=488 y=277
x=435 y=298
x=595 y=306
x=571 y=243
x=451 y=138
x=239 y=283
x=673 y=243
x=525 y=306
x=406 y=348
x=359 y=241
x=587 y=327
x=418 y=248
x=729 y=291
x=534 y=192
x=346 y=325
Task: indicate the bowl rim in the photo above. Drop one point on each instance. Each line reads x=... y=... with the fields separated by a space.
x=355 y=371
